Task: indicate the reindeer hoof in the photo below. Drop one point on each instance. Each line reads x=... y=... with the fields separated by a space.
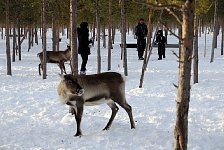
x=78 y=134
x=106 y=128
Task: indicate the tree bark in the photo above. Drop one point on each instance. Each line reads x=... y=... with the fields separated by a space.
x=148 y=47
x=109 y=35
x=183 y=96
x=44 y=46
x=14 y=40
x=205 y=48
x=36 y=35
x=195 y=63
x=8 y=57
x=53 y=31
x=73 y=36
x=2 y=35
x=214 y=39
x=113 y=33
x=222 y=40
x=123 y=36
x=104 y=36
x=29 y=38
x=94 y=32
x=98 y=36
x=19 y=41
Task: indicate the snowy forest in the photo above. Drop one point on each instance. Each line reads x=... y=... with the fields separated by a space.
x=176 y=103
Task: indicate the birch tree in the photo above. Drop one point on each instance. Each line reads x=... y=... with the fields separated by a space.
x=123 y=36
x=109 y=35
x=185 y=59
x=44 y=46
x=214 y=33
x=98 y=36
x=8 y=56
x=195 y=62
x=73 y=36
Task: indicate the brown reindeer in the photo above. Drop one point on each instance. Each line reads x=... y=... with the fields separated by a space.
x=58 y=57
x=77 y=91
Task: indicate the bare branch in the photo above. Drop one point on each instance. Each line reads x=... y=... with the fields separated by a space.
x=176 y=86
x=165 y=26
x=159 y=6
x=176 y=54
x=172 y=13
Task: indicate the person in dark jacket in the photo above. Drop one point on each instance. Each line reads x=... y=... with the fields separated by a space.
x=141 y=32
x=161 y=41
x=83 y=47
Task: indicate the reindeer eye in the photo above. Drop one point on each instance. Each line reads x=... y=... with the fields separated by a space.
x=69 y=82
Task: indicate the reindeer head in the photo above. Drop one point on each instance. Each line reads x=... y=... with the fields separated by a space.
x=69 y=86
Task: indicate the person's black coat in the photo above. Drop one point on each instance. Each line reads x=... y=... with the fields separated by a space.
x=141 y=31
x=83 y=37
x=160 y=39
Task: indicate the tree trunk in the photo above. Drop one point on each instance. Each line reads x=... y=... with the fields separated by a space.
x=183 y=96
x=123 y=36
x=53 y=31
x=57 y=37
x=68 y=32
x=94 y=32
x=14 y=40
x=29 y=38
x=222 y=40
x=109 y=35
x=148 y=47
x=113 y=33
x=32 y=35
x=205 y=43
x=36 y=36
x=214 y=39
x=98 y=37
x=19 y=37
x=104 y=36
x=73 y=36
x=195 y=63
x=2 y=35
x=44 y=46
x=8 y=57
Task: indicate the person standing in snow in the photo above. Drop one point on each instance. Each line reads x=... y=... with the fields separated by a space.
x=83 y=48
x=141 y=32
x=161 y=41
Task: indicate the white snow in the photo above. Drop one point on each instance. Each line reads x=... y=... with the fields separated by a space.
x=31 y=116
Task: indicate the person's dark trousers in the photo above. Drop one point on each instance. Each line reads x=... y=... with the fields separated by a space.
x=141 y=43
x=163 y=52
x=160 y=52
x=84 y=62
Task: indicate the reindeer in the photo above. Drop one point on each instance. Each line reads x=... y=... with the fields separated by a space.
x=79 y=90
x=58 y=57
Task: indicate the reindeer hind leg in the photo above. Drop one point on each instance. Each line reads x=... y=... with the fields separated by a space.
x=40 y=66
x=114 y=109
x=128 y=109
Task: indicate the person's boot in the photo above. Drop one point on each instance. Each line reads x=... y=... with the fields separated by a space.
x=82 y=73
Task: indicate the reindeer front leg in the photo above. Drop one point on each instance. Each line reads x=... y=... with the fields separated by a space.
x=78 y=118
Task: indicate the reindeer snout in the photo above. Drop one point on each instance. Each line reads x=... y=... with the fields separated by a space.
x=80 y=92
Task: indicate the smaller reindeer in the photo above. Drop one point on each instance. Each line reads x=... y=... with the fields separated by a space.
x=88 y=90
x=58 y=57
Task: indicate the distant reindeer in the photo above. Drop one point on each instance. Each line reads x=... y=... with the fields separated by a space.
x=77 y=91
x=58 y=57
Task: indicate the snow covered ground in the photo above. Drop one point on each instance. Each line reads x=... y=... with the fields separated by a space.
x=31 y=116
